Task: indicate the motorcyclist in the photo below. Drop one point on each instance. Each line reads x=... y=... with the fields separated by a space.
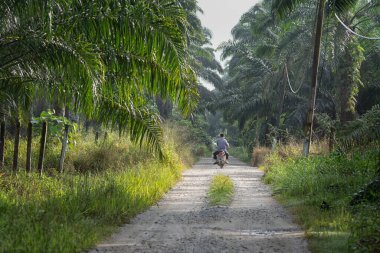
x=222 y=145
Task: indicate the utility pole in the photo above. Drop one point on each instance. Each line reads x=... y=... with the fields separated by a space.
x=308 y=130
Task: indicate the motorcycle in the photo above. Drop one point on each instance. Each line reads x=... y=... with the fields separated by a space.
x=221 y=159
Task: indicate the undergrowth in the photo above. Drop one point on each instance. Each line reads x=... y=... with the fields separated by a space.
x=104 y=185
x=221 y=190
x=319 y=190
x=242 y=153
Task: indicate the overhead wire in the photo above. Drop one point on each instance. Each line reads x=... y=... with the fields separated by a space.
x=309 y=57
x=353 y=32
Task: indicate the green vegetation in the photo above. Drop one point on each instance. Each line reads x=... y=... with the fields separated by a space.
x=221 y=190
x=320 y=190
x=104 y=186
x=269 y=70
x=242 y=153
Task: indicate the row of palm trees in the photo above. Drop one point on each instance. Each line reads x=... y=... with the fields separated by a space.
x=107 y=60
x=276 y=62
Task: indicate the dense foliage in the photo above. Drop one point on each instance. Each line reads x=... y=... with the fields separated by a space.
x=269 y=71
x=107 y=60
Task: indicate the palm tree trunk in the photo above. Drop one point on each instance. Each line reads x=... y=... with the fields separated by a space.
x=29 y=148
x=16 y=146
x=2 y=142
x=42 y=147
x=314 y=83
x=64 y=147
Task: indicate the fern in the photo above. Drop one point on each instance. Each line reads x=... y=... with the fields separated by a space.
x=364 y=130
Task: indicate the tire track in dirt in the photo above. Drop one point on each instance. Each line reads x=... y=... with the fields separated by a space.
x=183 y=222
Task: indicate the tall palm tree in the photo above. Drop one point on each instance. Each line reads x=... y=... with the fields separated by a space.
x=281 y=7
x=110 y=57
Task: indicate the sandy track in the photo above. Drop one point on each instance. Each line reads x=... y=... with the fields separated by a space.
x=183 y=222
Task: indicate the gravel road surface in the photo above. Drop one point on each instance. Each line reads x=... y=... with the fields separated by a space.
x=184 y=222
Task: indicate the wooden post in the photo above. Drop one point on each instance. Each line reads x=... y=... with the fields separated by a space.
x=64 y=146
x=2 y=142
x=96 y=137
x=331 y=140
x=42 y=147
x=16 y=146
x=29 y=148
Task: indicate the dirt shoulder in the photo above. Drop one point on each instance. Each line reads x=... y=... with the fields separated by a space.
x=183 y=222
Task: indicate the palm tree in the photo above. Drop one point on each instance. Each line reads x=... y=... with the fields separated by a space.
x=281 y=7
x=109 y=57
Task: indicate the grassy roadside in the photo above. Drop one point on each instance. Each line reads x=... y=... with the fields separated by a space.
x=221 y=190
x=319 y=190
x=105 y=185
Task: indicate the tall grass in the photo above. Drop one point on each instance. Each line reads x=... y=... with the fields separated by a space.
x=104 y=186
x=319 y=190
x=221 y=190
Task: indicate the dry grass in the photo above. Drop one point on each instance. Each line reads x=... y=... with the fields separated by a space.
x=258 y=155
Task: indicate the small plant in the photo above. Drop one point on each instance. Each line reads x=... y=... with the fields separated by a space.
x=221 y=190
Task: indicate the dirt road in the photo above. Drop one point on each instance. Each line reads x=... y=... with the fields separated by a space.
x=183 y=222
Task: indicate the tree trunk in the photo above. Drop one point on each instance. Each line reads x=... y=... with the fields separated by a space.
x=308 y=130
x=105 y=136
x=2 y=142
x=63 y=150
x=165 y=107
x=96 y=137
x=42 y=147
x=29 y=148
x=16 y=146
x=331 y=140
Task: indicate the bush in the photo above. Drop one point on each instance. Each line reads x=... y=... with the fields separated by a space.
x=258 y=155
x=319 y=189
x=202 y=151
x=241 y=153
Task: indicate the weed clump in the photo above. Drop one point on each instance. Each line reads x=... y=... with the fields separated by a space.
x=221 y=190
x=258 y=155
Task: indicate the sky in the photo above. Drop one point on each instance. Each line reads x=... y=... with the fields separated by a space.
x=220 y=16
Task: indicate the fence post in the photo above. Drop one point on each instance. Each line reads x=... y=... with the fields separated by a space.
x=96 y=137
x=29 y=148
x=42 y=147
x=2 y=142
x=16 y=146
x=63 y=150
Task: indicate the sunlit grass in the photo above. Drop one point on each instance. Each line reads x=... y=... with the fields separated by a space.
x=103 y=186
x=221 y=190
x=318 y=190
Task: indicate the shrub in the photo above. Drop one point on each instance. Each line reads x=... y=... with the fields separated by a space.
x=241 y=152
x=258 y=155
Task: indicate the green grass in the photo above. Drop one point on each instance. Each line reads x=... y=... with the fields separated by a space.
x=103 y=187
x=304 y=184
x=242 y=153
x=221 y=190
